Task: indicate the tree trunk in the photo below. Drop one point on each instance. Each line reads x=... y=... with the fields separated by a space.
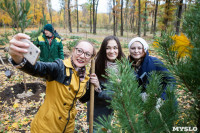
x=91 y=17
x=114 y=32
x=122 y=28
x=133 y=19
x=165 y=21
x=94 y=28
x=179 y=17
x=50 y=10
x=69 y=17
x=96 y=16
x=77 y=17
x=155 y=17
x=139 y=18
x=145 y=18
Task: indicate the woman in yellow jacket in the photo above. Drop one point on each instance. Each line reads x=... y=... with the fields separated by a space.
x=66 y=82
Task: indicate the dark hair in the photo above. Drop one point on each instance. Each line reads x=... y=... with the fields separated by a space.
x=101 y=56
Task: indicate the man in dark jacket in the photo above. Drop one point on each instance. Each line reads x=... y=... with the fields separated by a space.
x=50 y=45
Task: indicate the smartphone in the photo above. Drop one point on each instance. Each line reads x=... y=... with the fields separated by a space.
x=33 y=52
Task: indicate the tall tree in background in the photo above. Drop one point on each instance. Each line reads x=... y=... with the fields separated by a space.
x=152 y=17
x=69 y=16
x=122 y=28
x=77 y=15
x=180 y=7
x=126 y=16
x=145 y=18
x=94 y=25
x=114 y=17
x=50 y=10
x=63 y=7
x=90 y=3
x=155 y=18
x=117 y=14
x=139 y=18
x=132 y=13
x=166 y=15
x=95 y=6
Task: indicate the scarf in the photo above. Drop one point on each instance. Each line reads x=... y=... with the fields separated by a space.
x=111 y=65
x=50 y=39
x=136 y=64
x=80 y=71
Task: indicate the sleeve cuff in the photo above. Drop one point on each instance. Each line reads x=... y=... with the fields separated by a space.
x=17 y=65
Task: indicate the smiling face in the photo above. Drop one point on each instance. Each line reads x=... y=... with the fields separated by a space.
x=112 y=50
x=82 y=54
x=136 y=50
x=48 y=33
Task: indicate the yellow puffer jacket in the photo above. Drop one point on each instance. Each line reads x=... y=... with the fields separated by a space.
x=57 y=114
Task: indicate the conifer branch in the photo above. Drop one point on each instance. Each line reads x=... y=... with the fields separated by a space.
x=158 y=111
x=129 y=119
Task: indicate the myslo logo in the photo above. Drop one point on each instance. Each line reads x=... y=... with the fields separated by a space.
x=186 y=129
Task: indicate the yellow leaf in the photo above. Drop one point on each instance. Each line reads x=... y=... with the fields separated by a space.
x=15 y=125
x=6 y=122
x=155 y=44
x=182 y=45
x=15 y=105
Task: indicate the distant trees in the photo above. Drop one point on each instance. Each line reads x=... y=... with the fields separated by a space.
x=137 y=15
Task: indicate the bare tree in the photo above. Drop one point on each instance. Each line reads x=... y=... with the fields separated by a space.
x=152 y=18
x=69 y=16
x=166 y=19
x=95 y=6
x=145 y=18
x=139 y=18
x=114 y=21
x=62 y=4
x=122 y=17
x=132 y=19
x=77 y=16
x=94 y=28
x=50 y=10
x=155 y=17
x=90 y=16
x=179 y=17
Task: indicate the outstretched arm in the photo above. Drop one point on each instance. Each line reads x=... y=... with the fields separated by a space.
x=18 y=48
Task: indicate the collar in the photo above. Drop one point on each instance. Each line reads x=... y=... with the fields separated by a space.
x=67 y=62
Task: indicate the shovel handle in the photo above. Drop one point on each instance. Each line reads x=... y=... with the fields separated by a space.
x=91 y=99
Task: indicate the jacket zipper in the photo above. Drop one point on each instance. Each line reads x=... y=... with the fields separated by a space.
x=71 y=108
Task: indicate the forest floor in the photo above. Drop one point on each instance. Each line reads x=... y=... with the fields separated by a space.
x=17 y=109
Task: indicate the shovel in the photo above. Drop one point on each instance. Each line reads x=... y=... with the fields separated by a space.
x=7 y=72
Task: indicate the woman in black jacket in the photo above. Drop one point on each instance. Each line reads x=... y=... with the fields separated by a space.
x=109 y=52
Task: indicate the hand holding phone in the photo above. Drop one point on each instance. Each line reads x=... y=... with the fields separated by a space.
x=33 y=52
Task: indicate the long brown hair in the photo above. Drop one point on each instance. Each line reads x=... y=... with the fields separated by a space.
x=102 y=58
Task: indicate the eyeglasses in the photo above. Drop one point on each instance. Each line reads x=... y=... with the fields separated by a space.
x=79 y=51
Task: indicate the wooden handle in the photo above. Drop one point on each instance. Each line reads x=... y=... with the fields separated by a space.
x=91 y=99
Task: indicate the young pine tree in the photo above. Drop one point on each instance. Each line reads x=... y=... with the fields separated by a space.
x=131 y=113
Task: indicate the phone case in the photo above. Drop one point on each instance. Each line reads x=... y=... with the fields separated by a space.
x=33 y=52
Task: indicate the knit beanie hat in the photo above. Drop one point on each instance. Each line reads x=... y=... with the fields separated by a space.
x=49 y=27
x=142 y=41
